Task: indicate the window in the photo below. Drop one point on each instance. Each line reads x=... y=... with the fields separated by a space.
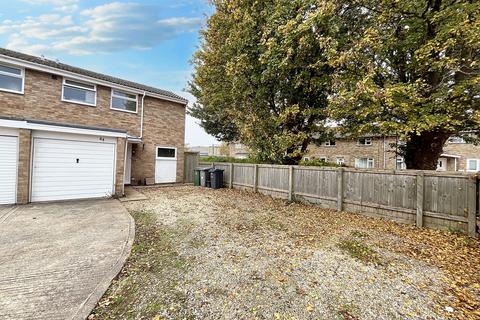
x=323 y=159
x=401 y=164
x=11 y=79
x=79 y=92
x=455 y=139
x=473 y=165
x=306 y=158
x=166 y=153
x=124 y=101
x=364 y=163
x=365 y=141
x=341 y=161
x=330 y=143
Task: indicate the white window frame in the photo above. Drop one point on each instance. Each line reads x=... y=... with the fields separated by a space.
x=112 y=95
x=21 y=76
x=368 y=142
x=369 y=160
x=328 y=143
x=324 y=159
x=401 y=161
x=306 y=158
x=165 y=158
x=478 y=165
x=340 y=161
x=78 y=87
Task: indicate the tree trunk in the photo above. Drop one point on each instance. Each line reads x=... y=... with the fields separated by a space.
x=422 y=151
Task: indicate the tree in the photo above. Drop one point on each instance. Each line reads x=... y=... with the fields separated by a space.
x=410 y=68
x=262 y=76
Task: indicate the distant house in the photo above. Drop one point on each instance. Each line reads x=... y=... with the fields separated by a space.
x=206 y=151
x=238 y=151
x=380 y=152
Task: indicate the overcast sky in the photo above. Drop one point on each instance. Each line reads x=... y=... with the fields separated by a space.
x=148 y=41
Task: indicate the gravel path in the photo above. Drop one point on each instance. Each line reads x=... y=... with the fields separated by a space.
x=250 y=256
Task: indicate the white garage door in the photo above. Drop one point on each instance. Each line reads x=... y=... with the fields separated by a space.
x=8 y=169
x=71 y=169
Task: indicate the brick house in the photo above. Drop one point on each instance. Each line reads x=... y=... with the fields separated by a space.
x=380 y=152
x=69 y=133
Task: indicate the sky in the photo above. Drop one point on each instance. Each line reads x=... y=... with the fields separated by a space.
x=146 y=41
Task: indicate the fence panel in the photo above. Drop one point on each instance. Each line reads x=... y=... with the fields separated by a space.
x=430 y=199
x=191 y=162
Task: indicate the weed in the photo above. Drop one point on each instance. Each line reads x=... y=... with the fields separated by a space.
x=360 y=251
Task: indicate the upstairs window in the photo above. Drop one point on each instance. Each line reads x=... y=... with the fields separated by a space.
x=365 y=141
x=124 y=101
x=341 y=161
x=79 y=92
x=11 y=79
x=330 y=143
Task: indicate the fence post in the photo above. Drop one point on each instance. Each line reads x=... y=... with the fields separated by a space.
x=340 y=189
x=230 y=183
x=255 y=177
x=290 y=183
x=213 y=165
x=420 y=191
x=472 y=206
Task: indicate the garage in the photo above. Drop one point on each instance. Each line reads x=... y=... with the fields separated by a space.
x=67 y=167
x=8 y=168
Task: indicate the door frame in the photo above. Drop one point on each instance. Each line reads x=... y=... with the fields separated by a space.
x=128 y=168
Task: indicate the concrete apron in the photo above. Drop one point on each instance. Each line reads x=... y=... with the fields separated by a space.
x=58 y=259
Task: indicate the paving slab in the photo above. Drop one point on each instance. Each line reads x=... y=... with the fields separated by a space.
x=132 y=195
x=58 y=259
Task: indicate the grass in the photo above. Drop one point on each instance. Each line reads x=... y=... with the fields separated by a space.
x=359 y=250
x=147 y=286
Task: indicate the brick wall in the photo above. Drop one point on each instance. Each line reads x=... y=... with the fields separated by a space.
x=349 y=149
x=164 y=125
x=23 y=172
x=42 y=101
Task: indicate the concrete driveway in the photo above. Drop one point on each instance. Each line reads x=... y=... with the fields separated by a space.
x=57 y=259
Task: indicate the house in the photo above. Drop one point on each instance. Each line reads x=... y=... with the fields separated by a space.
x=69 y=133
x=238 y=151
x=207 y=151
x=380 y=152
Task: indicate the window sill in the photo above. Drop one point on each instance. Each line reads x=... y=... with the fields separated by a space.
x=12 y=91
x=126 y=111
x=79 y=102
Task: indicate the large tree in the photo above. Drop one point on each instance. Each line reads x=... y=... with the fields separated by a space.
x=409 y=68
x=262 y=75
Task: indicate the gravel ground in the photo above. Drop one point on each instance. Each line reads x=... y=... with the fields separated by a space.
x=240 y=255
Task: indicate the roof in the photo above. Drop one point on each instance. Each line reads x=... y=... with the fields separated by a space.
x=65 y=67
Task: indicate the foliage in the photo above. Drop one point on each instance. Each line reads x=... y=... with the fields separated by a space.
x=261 y=76
x=318 y=163
x=410 y=68
x=226 y=159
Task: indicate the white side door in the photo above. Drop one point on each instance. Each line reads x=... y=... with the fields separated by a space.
x=8 y=169
x=165 y=165
x=72 y=169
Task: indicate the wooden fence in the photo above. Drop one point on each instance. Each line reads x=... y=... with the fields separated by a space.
x=425 y=198
x=190 y=163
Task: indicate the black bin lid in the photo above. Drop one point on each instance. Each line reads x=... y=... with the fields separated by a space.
x=216 y=170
